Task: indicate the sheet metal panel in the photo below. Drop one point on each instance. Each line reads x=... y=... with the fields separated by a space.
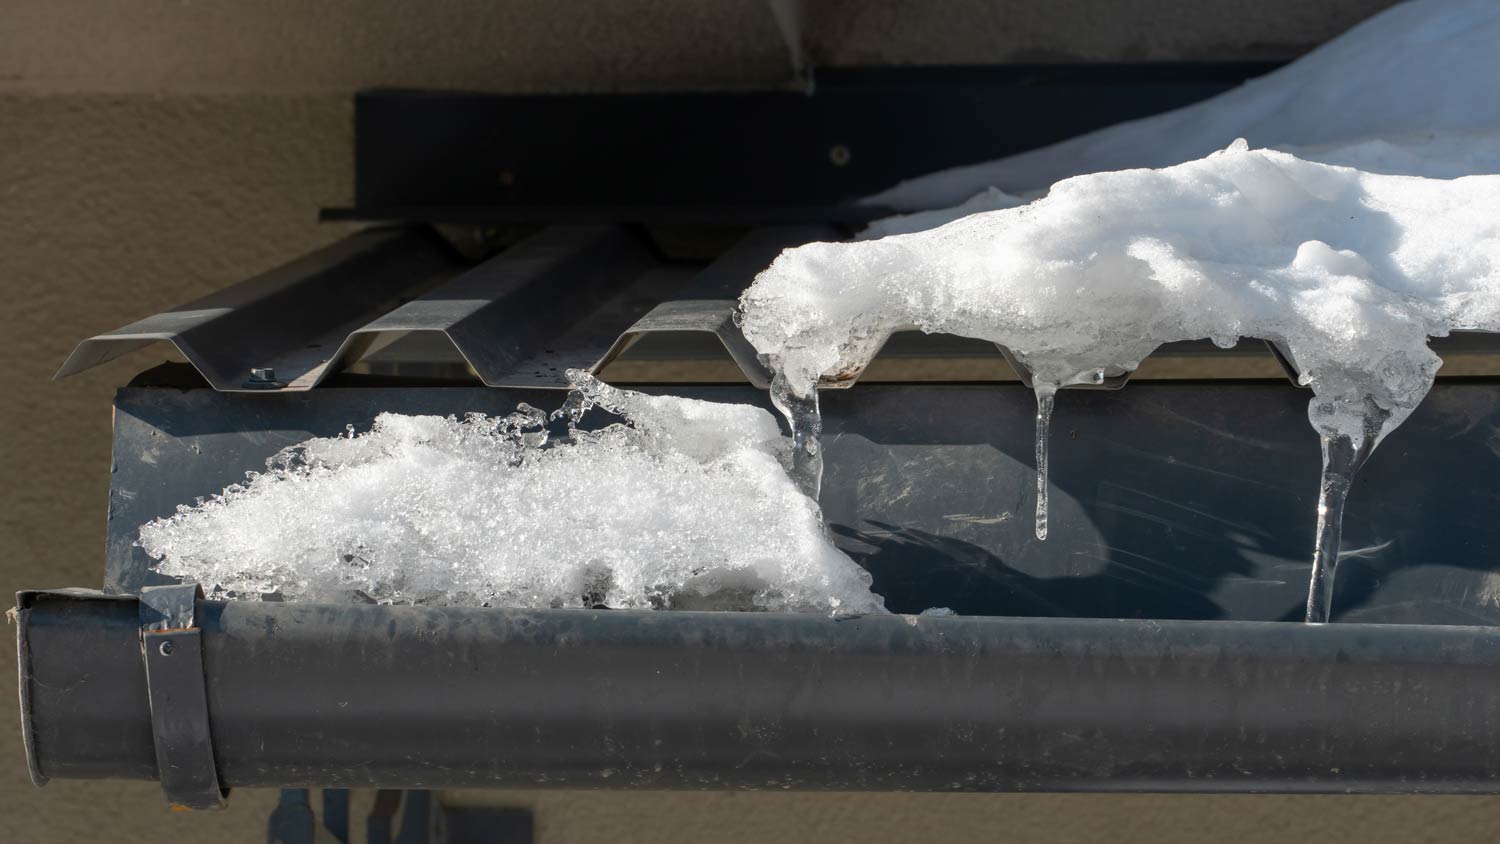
x=281 y=329
x=1169 y=499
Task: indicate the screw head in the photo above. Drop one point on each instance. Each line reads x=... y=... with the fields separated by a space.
x=839 y=155
x=165 y=648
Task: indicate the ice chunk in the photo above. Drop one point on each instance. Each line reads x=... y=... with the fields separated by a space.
x=1424 y=69
x=805 y=419
x=686 y=504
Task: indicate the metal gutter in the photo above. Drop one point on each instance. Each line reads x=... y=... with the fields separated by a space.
x=346 y=696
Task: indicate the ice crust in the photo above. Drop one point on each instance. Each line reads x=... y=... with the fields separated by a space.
x=1419 y=79
x=685 y=504
x=1349 y=271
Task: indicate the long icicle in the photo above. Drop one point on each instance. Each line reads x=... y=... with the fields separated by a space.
x=1046 y=395
x=806 y=420
x=1342 y=458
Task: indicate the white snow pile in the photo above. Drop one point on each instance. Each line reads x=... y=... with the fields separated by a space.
x=1411 y=91
x=685 y=504
x=1349 y=271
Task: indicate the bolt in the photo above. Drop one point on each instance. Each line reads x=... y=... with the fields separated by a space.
x=263 y=375
x=165 y=648
x=839 y=155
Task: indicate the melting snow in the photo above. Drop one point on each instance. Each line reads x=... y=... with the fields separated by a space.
x=685 y=504
x=1349 y=272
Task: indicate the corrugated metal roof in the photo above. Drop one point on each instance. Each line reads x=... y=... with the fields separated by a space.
x=563 y=297
x=403 y=302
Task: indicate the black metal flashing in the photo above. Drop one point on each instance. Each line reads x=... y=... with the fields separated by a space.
x=736 y=158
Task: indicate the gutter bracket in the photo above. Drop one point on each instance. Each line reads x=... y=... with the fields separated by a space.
x=172 y=649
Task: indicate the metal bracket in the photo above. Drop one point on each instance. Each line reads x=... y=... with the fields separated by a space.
x=173 y=649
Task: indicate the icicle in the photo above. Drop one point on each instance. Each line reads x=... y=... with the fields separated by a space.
x=806 y=422
x=1045 y=397
x=1342 y=457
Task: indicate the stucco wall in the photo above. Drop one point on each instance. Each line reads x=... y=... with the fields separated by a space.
x=335 y=45
x=113 y=207
x=153 y=151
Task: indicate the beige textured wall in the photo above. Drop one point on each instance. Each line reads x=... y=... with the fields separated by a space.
x=152 y=151
x=110 y=208
x=770 y=818
x=336 y=45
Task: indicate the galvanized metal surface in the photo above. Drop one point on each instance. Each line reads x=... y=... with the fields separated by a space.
x=496 y=313
x=402 y=304
x=356 y=695
x=706 y=316
x=286 y=323
x=706 y=304
x=566 y=297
